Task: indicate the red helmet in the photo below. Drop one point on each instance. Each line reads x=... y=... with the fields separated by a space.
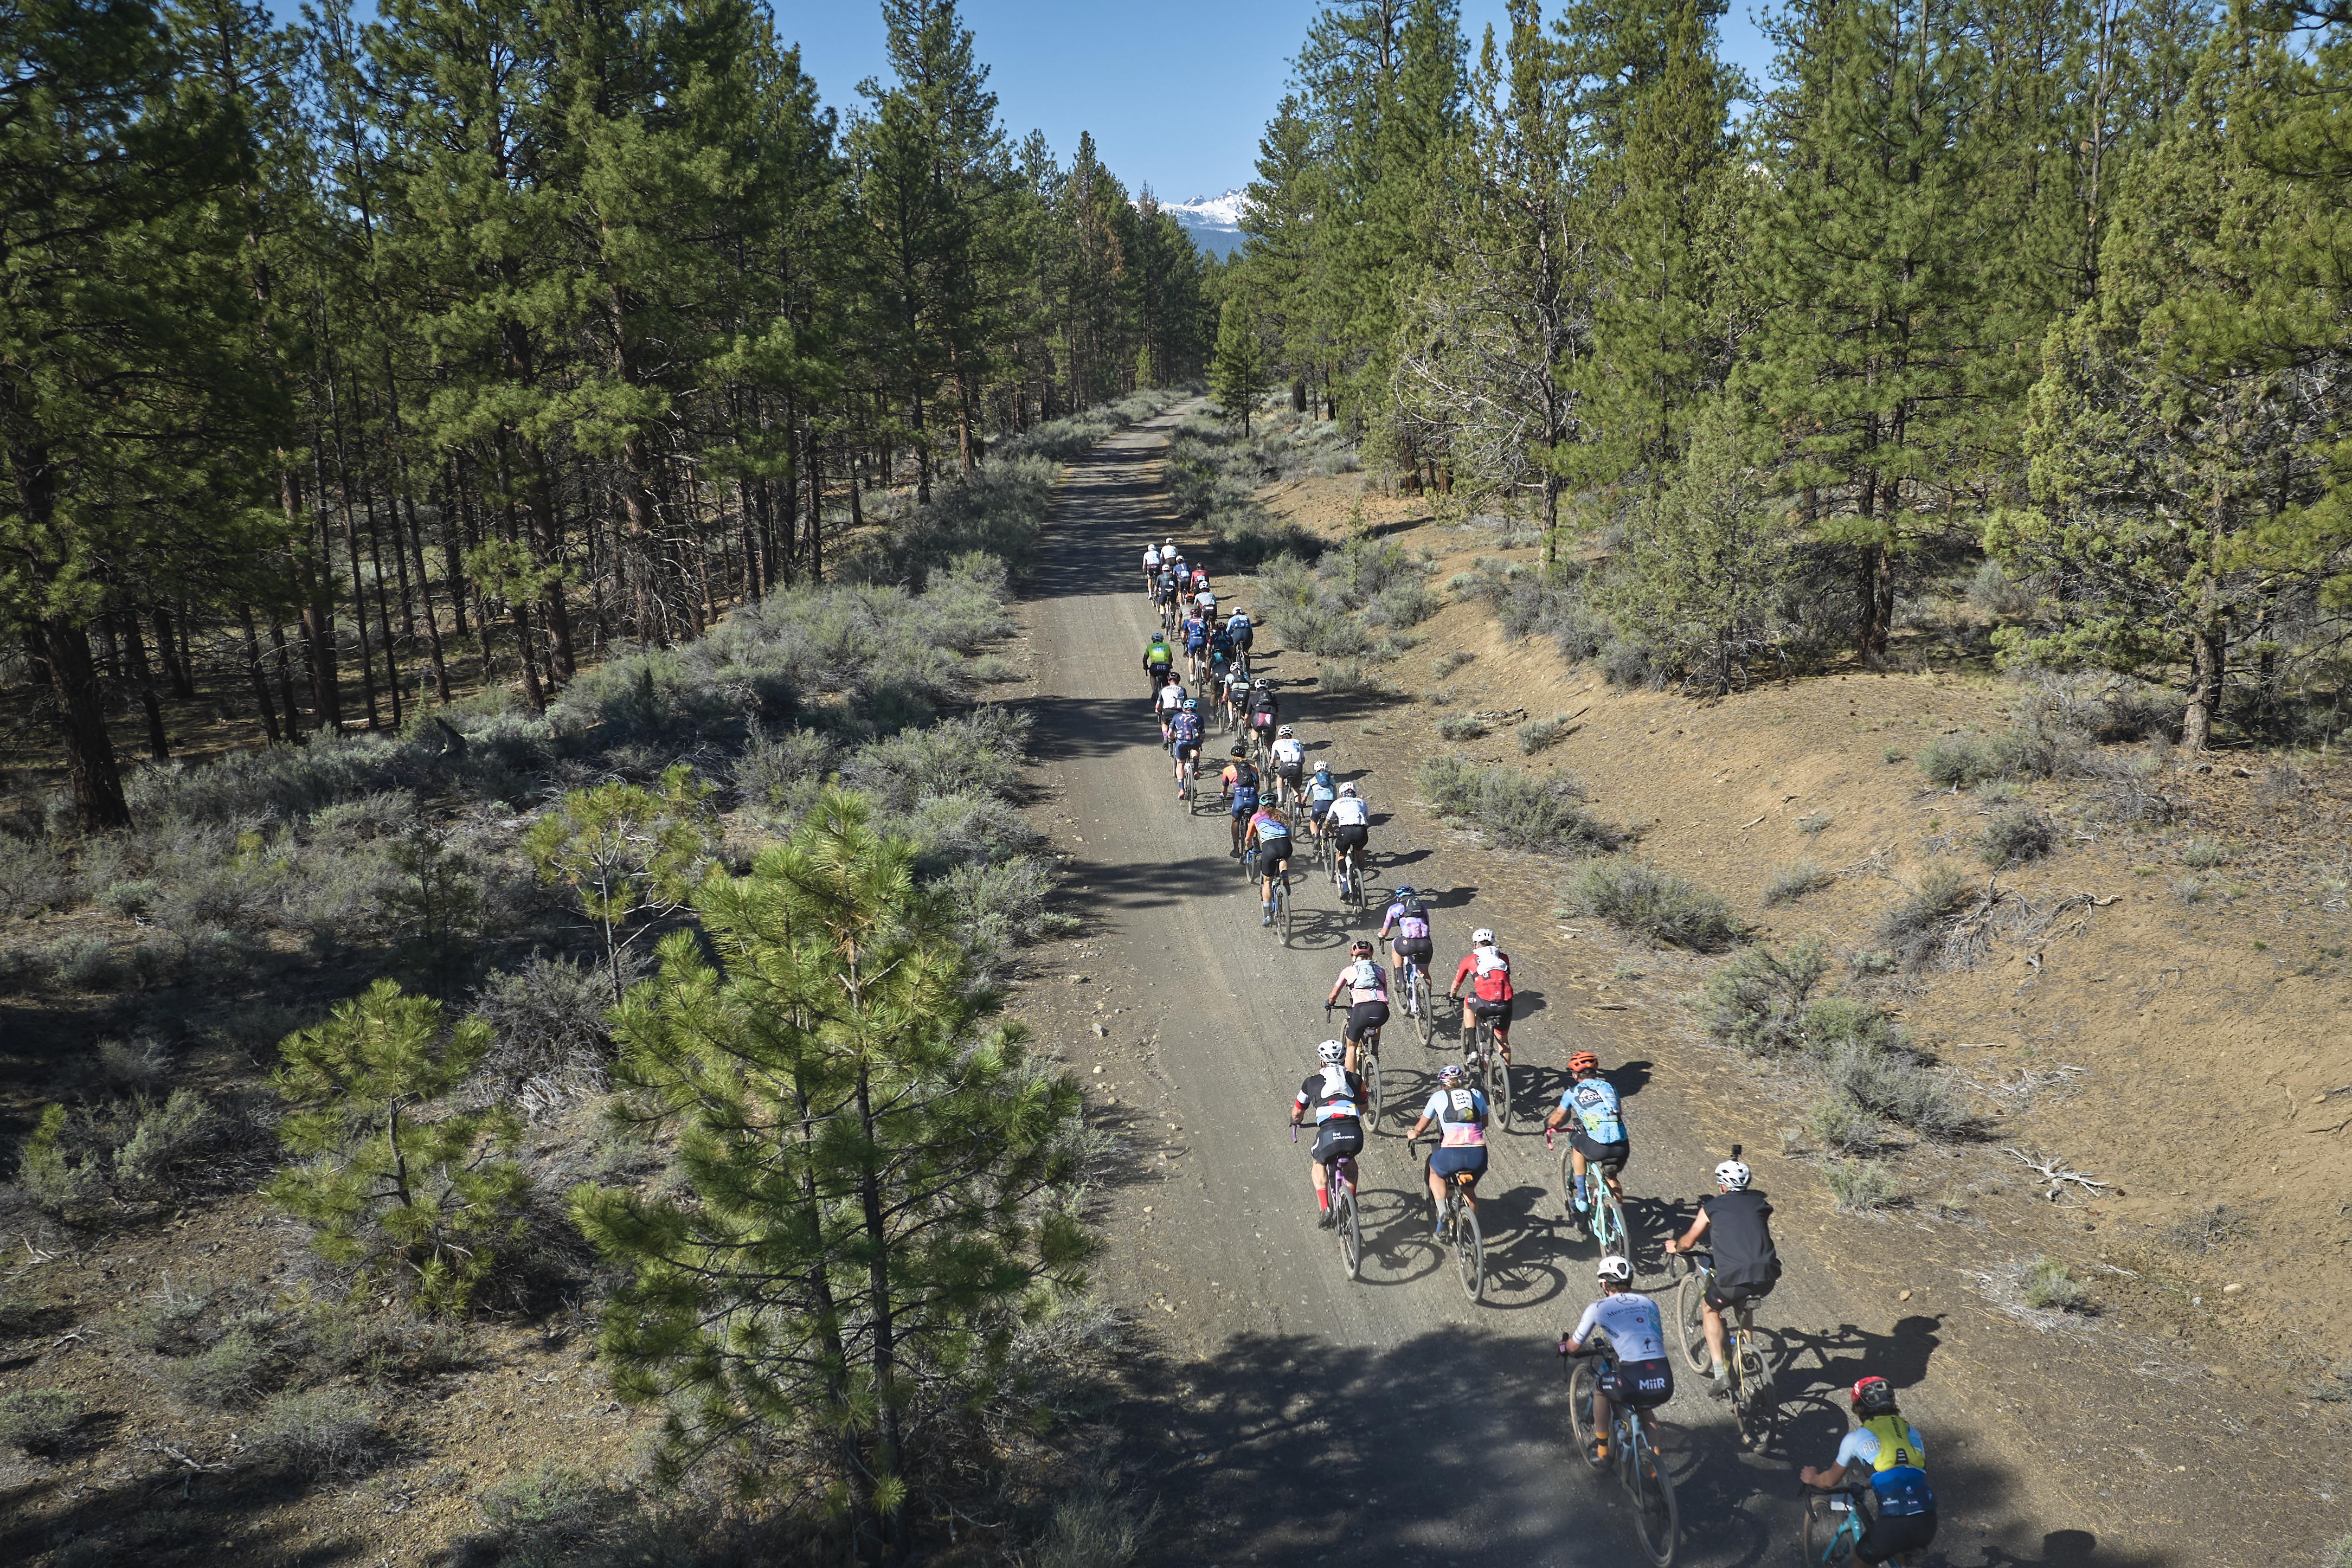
x=1583 y=1061
x=1873 y=1396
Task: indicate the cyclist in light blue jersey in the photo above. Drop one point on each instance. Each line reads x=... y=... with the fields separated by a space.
x=1598 y=1136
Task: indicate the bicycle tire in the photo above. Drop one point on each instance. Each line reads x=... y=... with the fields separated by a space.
x=1371 y=1063
x=1823 y=1534
x=1499 y=1073
x=1690 y=1317
x=1470 y=1252
x=1428 y=1003
x=1655 y=1520
x=1351 y=1231
x=1752 y=1406
x=1607 y=1209
x=1583 y=1383
x=1282 y=909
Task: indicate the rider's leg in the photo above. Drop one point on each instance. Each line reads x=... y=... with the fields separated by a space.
x=1503 y=1036
x=1322 y=1183
x=1600 y=1423
x=1576 y=1163
x=1714 y=1340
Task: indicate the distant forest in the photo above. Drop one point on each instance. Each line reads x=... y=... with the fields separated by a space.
x=372 y=362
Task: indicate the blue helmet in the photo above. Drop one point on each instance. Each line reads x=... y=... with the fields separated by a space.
x=1191 y=703
x=1404 y=890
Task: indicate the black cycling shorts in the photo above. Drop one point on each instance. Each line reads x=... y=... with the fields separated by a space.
x=1643 y=1384
x=1890 y=1533
x=1273 y=859
x=1363 y=1015
x=1352 y=836
x=1341 y=1135
x=1598 y=1153
x=1731 y=1297
x=1480 y=1008
x=1417 y=948
x=1292 y=773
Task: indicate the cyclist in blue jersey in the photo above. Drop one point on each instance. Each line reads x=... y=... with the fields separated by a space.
x=1240 y=789
x=1643 y=1376
x=1334 y=1095
x=1460 y=1112
x=1270 y=833
x=1185 y=743
x=1196 y=641
x=1896 y=1458
x=1321 y=793
x=1596 y=1123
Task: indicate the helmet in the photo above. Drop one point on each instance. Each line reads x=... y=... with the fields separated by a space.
x=1451 y=1074
x=1733 y=1175
x=1873 y=1396
x=1482 y=937
x=1584 y=1062
x=1159 y=636
x=1191 y=703
x=1360 y=948
x=1239 y=749
x=1332 y=1051
x=1260 y=683
x=1613 y=1270
x=1284 y=733
x=1322 y=767
x=1346 y=789
x=1402 y=890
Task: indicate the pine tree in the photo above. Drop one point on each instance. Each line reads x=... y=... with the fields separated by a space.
x=1238 y=374
x=873 y=1172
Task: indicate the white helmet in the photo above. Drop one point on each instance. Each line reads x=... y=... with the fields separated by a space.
x=1613 y=1270
x=1733 y=1176
x=1261 y=683
x=1284 y=734
x=1332 y=1051
x=1482 y=937
x=1346 y=789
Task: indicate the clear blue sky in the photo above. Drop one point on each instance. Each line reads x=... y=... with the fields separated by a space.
x=1175 y=94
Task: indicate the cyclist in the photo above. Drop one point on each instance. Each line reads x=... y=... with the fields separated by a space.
x=1221 y=650
x=1272 y=836
x=1289 y=760
x=1237 y=691
x=1207 y=600
x=1488 y=972
x=1321 y=793
x=1239 y=787
x=1167 y=701
x=1598 y=1136
x=1352 y=826
x=1159 y=658
x=1747 y=1264
x=1412 y=943
x=1185 y=743
x=1163 y=589
x=1180 y=574
x=1200 y=579
x=1896 y=1456
x=1641 y=1377
x=1265 y=711
x=1460 y=1112
x=1194 y=634
x=1367 y=997
x=1333 y=1092
x=1150 y=567
x=1242 y=631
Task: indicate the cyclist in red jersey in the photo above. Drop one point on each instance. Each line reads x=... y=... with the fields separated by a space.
x=1488 y=972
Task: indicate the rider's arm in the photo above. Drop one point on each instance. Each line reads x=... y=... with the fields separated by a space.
x=1299 y=1109
x=1583 y=1329
x=1453 y=991
x=1336 y=984
x=1826 y=1480
x=1690 y=1237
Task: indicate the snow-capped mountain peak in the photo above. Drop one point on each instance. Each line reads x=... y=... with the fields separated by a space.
x=1214 y=222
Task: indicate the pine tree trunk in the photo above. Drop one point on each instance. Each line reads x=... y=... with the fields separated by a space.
x=175 y=657
x=96 y=777
x=882 y=1326
x=253 y=668
x=158 y=743
x=286 y=681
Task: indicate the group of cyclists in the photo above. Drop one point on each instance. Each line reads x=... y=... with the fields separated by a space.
x=1271 y=797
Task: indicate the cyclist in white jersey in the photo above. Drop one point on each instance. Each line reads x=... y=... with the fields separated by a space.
x=1638 y=1371
x=1289 y=762
x=1320 y=792
x=1150 y=567
x=1170 y=701
x=1367 y=986
x=1350 y=822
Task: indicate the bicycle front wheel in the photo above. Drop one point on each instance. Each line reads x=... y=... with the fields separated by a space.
x=1582 y=1383
x=1281 y=910
x=1351 y=1233
x=1470 y=1252
x=1690 y=1318
x=1498 y=1092
x=1654 y=1501
x=1371 y=1065
x=1609 y=1218
x=1427 y=1005
x=1826 y=1538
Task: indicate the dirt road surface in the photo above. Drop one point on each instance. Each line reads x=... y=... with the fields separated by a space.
x=1286 y=1413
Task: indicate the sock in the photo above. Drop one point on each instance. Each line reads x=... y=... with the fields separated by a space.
x=1721 y=1371
x=1323 y=1199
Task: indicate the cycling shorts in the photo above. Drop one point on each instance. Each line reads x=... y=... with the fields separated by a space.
x=1273 y=859
x=1482 y=1008
x=1352 y=836
x=1731 y=1297
x=1363 y=1016
x=1245 y=801
x=1890 y=1533
x=1452 y=1162
x=1185 y=748
x=1319 y=809
x=1643 y=1384
x=1418 y=949
x=1598 y=1153
x=1341 y=1135
x=1292 y=773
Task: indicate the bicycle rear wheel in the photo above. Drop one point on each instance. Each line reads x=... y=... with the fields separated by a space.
x=1826 y=1538
x=1282 y=909
x=1346 y=1221
x=1469 y=1252
x=1654 y=1517
x=1425 y=1001
x=1371 y=1066
x=1498 y=1093
x=1752 y=1363
x=1608 y=1215
x=1690 y=1317
x=1581 y=1386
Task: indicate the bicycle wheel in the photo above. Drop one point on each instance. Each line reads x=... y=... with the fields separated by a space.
x=1282 y=909
x=1609 y=1213
x=1469 y=1252
x=1499 y=1073
x=1583 y=1383
x=1568 y=1191
x=1654 y=1501
x=1826 y=1536
x=1351 y=1231
x=1427 y=1002
x=1371 y=1065
x=1690 y=1317
x=1752 y=1363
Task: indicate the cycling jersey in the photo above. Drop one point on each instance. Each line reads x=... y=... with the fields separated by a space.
x=1265 y=712
x=1365 y=981
x=1185 y=729
x=1171 y=698
x=1151 y=558
x=1631 y=1321
x=1159 y=654
x=1241 y=630
x=1270 y=827
x=1333 y=1093
x=1493 y=968
x=1594 y=1102
x=1289 y=754
x=1461 y=1114
x=1200 y=580
x=1196 y=634
x=1207 y=601
x=1349 y=811
x=1221 y=644
x=1410 y=917
x=1741 y=1240
x=1891 y=1446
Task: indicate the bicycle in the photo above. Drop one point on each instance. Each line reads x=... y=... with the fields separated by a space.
x=1749 y=1355
x=1368 y=1068
x=1835 y=1522
x=1282 y=907
x=1639 y=1470
x=1418 y=1000
x=1463 y=1236
x=1605 y=1221
x=1494 y=1074
x=1347 y=876
x=1340 y=1179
